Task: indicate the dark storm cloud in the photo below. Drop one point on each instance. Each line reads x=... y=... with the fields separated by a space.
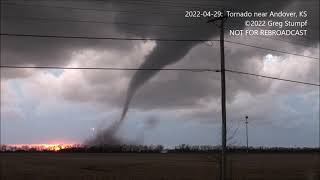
x=37 y=51
x=186 y=88
x=57 y=51
x=165 y=54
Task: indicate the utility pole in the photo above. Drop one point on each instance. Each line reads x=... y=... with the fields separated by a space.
x=223 y=165
x=223 y=105
x=247 y=133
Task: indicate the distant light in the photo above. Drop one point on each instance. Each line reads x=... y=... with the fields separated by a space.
x=269 y=56
x=92 y=129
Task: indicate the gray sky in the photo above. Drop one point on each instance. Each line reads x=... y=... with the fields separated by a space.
x=43 y=106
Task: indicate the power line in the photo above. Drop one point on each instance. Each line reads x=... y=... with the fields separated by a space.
x=218 y=1
x=91 y=9
x=288 y=41
x=179 y=5
x=268 y=49
x=131 y=24
x=172 y=4
x=155 y=69
x=122 y=11
x=135 y=27
x=94 y=9
x=203 y=3
x=166 y=4
x=105 y=38
x=151 y=39
x=153 y=3
x=109 y=68
x=300 y=38
x=132 y=29
x=143 y=3
x=199 y=3
x=98 y=22
x=269 y=77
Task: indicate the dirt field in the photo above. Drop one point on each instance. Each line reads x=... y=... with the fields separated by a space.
x=58 y=166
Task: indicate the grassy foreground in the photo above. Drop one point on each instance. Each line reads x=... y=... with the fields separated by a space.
x=135 y=166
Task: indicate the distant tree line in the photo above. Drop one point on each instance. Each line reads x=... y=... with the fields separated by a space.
x=183 y=148
x=274 y=149
x=116 y=149
x=239 y=149
x=105 y=148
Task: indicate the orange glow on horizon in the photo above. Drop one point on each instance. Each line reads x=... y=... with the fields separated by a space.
x=49 y=147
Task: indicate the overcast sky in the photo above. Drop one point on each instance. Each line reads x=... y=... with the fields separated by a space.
x=168 y=107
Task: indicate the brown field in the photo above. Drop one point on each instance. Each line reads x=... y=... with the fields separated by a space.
x=94 y=166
